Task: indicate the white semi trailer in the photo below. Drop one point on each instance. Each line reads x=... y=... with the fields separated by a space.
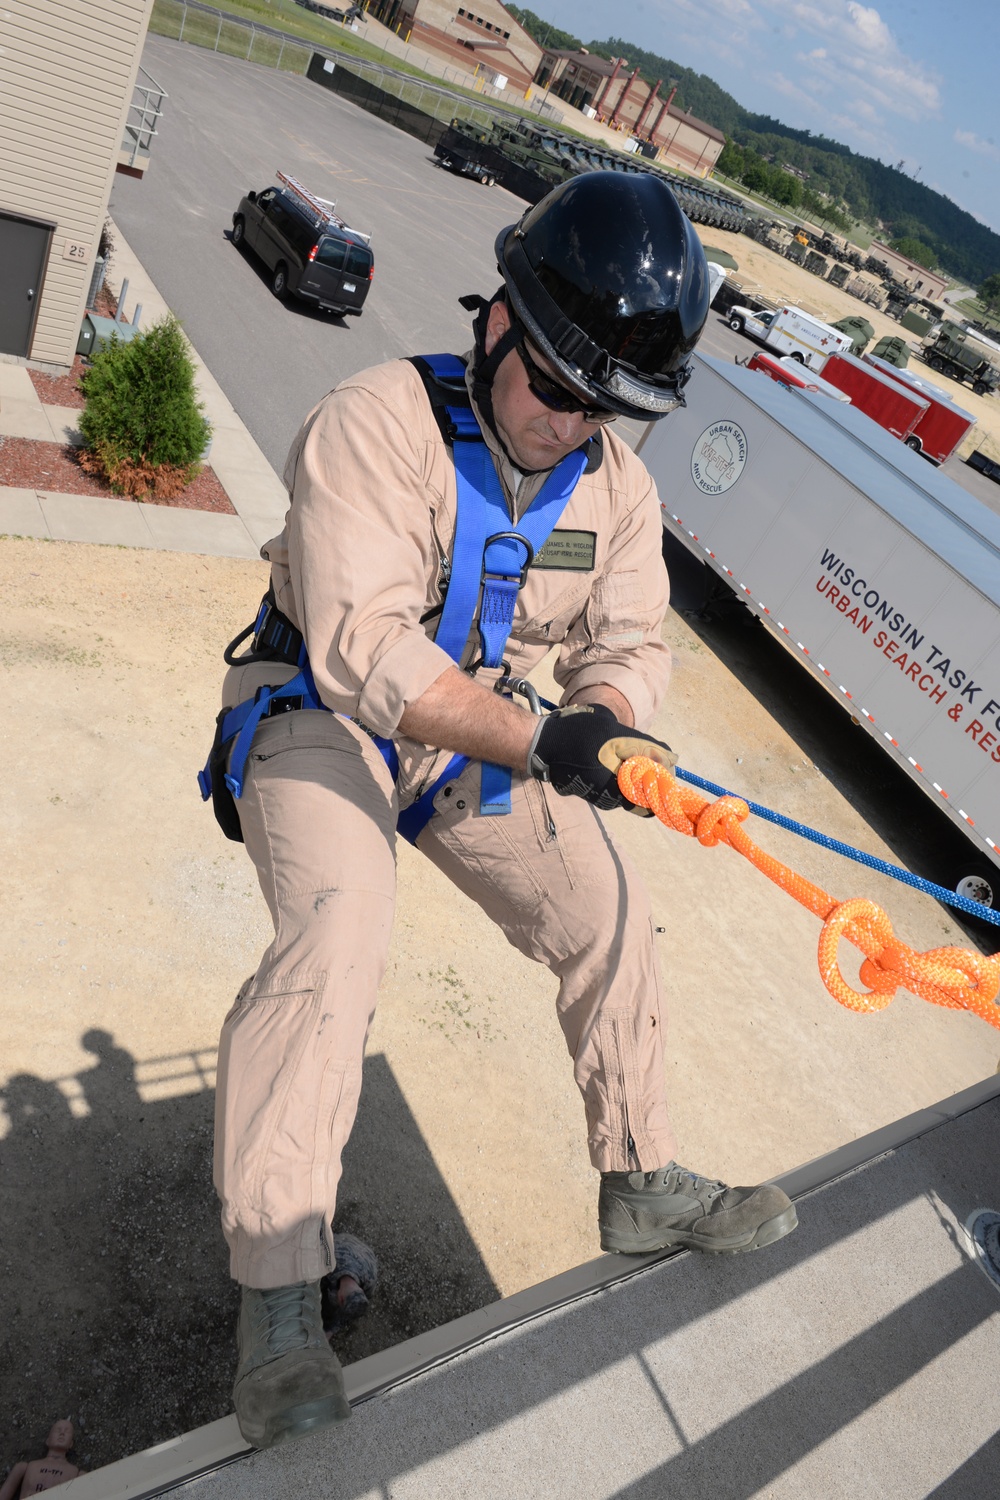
x=880 y=575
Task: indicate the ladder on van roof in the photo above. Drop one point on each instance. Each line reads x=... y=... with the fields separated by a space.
x=324 y=209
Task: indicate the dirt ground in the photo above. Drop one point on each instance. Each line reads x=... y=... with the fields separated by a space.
x=130 y=922
x=762 y=270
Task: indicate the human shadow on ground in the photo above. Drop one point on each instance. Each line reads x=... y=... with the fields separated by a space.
x=117 y=1307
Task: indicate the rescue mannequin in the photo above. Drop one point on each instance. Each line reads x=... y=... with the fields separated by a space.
x=450 y=522
x=40 y=1474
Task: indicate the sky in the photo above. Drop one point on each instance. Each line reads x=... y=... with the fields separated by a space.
x=909 y=81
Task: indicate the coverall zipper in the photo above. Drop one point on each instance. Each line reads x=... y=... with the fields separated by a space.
x=630 y=1143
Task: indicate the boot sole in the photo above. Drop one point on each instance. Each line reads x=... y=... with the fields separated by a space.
x=665 y=1239
x=296 y=1421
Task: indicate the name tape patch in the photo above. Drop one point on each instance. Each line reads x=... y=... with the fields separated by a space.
x=573 y=551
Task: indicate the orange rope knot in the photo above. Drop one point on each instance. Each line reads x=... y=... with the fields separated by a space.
x=719 y=819
x=953 y=977
x=640 y=782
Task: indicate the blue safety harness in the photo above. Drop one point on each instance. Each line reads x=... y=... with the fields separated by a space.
x=488 y=570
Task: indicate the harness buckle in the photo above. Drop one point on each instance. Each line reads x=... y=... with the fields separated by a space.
x=508 y=536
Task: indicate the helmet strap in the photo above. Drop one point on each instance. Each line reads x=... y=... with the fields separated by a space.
x=485 y=365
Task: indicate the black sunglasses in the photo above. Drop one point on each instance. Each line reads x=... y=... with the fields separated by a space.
x=555 y=396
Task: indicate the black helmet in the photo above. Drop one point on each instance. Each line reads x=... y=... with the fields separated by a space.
x=609 y=280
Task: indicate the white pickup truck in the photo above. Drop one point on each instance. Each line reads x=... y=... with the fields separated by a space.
x=791 y=331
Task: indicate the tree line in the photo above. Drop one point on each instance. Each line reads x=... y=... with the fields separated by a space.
x=839 y=185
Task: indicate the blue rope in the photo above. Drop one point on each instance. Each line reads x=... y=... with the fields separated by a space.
x=939 y=892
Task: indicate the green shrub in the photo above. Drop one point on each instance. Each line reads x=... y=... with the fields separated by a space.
x=143 y=426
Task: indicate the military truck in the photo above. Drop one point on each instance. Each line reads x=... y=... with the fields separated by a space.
x=953 y=352
x=528 y=159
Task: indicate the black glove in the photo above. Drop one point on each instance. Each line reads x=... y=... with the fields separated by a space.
x=579 y=750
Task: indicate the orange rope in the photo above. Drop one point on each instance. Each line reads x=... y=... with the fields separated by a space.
x=955 y=977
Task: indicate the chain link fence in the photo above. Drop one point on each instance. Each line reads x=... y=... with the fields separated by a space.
x=422 y=109
x=204 y=27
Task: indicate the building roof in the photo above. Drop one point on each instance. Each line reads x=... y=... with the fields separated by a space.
x=589 y=60
x=696 y=124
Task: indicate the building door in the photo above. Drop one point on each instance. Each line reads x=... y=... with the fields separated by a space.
x=24 y=248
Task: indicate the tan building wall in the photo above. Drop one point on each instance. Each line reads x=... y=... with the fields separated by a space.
x=477 y=33
x=685 y=144
x=928 y=283
x=626 y=102
x=67 y=69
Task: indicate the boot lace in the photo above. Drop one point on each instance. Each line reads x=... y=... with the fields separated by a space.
x=283 y=1317
x=705 y=1188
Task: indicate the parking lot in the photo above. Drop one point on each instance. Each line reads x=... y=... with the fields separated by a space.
x=229 y=126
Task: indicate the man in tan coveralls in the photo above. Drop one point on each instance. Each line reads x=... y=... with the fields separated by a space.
x=605 y=294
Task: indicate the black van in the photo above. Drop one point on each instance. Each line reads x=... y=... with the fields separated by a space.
x=310 y=253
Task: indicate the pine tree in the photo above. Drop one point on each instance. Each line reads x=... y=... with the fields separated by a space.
x=143 y=425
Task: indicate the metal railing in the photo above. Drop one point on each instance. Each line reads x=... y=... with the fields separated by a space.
x=144 y=111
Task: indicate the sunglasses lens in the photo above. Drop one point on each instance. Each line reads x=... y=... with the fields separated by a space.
x=555 y=396
x=548 y=392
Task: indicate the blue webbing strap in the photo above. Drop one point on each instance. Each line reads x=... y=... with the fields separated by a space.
x=241 y=724
x=489 y=555
x=414 y=819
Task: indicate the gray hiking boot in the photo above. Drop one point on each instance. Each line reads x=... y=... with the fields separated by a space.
x=288 y=1381
x=643 y=1211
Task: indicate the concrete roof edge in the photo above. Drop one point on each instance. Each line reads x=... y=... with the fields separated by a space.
x=158 y=1470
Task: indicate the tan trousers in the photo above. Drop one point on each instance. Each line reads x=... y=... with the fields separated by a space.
x=318 y=813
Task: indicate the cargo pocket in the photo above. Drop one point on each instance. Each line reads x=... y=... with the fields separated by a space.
x=478 y=853
x=617 y=618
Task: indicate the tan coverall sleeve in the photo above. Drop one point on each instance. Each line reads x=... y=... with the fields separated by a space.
x=360 y=552
x=616 y=640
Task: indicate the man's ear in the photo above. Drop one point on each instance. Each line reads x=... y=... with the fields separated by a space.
x=497 y=324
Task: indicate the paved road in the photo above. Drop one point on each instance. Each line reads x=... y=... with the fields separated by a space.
x=228 y=126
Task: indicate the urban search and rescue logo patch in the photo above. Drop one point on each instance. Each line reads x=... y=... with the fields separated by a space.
x=719 y=457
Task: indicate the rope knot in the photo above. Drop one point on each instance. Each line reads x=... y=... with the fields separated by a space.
x=953 y=977
x=648 y=784
x=715 y=822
